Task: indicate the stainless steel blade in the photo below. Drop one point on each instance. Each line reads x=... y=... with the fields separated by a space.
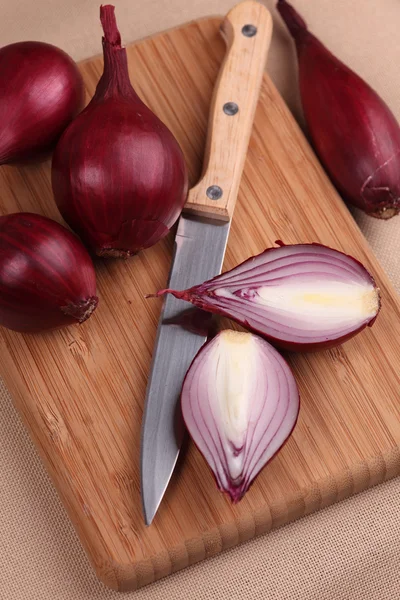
x=198 y=255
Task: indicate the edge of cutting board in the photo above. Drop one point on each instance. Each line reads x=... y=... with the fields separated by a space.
x=327 y=491
x=324 y=492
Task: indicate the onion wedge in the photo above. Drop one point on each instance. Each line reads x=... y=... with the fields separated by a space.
x=299 y=297
x=240 y=403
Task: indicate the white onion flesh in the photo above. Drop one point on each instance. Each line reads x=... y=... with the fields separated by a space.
x=240 y=403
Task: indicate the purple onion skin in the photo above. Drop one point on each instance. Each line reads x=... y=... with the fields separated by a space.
x=47 y=278
x=41 y=91
x=119 y=176
x=355 y=135
x=196 y=294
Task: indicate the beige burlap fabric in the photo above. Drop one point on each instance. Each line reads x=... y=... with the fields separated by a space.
x=347 y=552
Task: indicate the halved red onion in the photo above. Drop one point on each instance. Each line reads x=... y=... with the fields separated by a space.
x=240 y=403
x=300 y=296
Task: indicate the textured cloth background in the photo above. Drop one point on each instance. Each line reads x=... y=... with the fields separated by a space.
x=348 y=552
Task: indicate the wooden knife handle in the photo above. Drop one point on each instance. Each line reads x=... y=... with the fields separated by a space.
x=247 y=29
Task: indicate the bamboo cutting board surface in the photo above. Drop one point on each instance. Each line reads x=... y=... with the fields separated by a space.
x=80 y=390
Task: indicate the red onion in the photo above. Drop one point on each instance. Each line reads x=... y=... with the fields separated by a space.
x=303 y=296
x=41 y=91
x=47 y=278
x=353 y=131
x=240 y=403
x=119 y=176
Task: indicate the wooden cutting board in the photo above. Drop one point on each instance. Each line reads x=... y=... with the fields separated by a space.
x=80 y=390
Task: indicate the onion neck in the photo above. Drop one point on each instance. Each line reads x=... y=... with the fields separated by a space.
x=115 y=79
x=294 y=22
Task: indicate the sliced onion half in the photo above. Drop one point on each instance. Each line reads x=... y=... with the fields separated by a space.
x=240 y=403
x=300 y=296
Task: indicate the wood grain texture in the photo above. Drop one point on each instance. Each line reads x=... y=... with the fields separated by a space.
x=81 y=390
x=239 y=82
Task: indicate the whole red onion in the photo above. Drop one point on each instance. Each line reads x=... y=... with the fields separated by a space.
x=353 y=131
x=47 y=278
x=41 y=91
x=119 y=176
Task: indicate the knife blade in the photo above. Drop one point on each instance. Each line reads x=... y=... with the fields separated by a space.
x=201 y=239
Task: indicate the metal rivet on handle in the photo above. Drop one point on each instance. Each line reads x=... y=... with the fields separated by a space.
x=249 y=30
x=230 y=108
x=214 y=192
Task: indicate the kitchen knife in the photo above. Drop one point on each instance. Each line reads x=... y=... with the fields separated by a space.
x=201 y=239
